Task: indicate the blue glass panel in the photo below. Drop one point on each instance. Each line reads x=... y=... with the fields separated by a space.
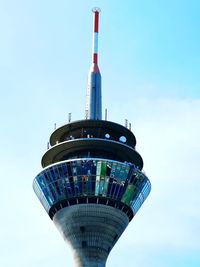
x=121 y=190
x=41 y=181
x=116 y=191
x=47 y=177
x=93 y=182
x=52 y=174
x=80 y=184
x=113 y=169
x=88 y=185
x=110 y=186
x=84 y=184
x=124 y=172
x=65 y=170
x=88 y=167
x=108 y=169
x=93 y=167
x=69 y=169
x=76 y=186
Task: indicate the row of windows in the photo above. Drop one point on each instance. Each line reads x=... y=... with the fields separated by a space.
x=84 y=167
x=122 y=182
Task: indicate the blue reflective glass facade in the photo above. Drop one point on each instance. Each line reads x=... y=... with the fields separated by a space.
x=92 y=177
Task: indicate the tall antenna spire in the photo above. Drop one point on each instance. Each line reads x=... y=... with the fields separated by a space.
x=95 y=34
x=93 y=109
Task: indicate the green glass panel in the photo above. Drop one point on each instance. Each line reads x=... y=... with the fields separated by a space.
x=98 y=170
x=128 y=195
x=103 y=168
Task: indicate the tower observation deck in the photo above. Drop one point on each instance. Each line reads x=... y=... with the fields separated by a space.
x=92 y=183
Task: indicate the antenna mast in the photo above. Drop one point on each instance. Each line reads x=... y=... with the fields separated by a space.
x=93 y=109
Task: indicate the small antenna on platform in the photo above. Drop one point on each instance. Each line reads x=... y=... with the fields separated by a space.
x=126 y=123
x=54 y=126
x=69 y=117
x=129 y=126
x=106 y=114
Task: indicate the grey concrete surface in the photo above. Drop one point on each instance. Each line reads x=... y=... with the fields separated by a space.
x=91 y=230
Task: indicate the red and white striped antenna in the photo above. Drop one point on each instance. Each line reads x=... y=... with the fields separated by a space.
x=96 y=12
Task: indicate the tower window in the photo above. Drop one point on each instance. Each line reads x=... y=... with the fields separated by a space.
x=122 y=139
x=107 y=136
x=84 y=244
x=82 y=229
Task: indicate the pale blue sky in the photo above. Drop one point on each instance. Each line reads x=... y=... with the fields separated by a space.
x=150 y=65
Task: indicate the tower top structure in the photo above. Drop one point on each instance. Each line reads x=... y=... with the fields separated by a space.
x=92 y=183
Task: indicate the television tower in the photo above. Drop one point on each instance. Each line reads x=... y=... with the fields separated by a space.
x=92 y=184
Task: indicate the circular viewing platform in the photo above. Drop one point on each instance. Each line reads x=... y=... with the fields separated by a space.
x=93 y=129
x=92 y=147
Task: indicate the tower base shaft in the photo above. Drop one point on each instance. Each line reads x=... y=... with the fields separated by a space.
x=91 y=230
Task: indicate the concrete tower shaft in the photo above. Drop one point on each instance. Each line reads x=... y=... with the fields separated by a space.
x=91 y=230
